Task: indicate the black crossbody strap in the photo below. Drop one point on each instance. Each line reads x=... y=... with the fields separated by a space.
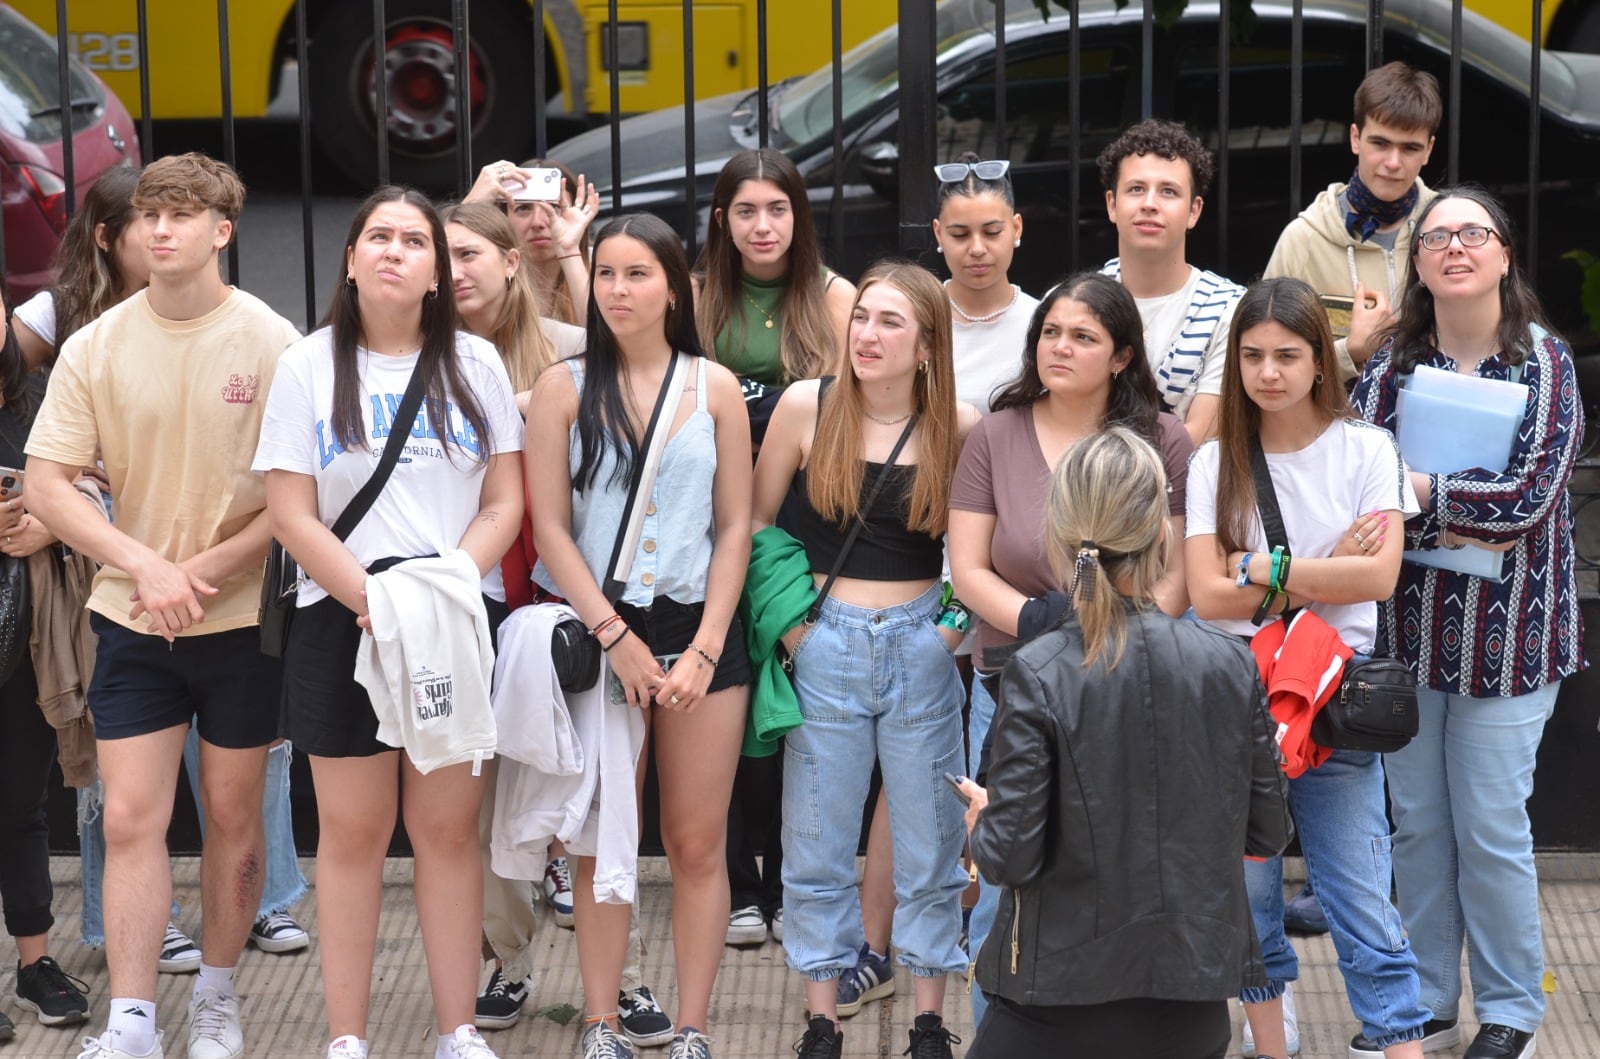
x=399 y=431
x=614 y=586
x=1267 y=498
x=860 y=520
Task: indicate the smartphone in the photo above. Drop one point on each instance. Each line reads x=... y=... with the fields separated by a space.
x=955 y=785
x=619 y=694
x=10 y=483
x=541 y=185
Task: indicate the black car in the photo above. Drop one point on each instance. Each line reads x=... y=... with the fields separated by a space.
x=1038 y=136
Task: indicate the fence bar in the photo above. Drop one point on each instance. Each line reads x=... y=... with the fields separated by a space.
x=690 y=198
x=917 y=86
x=1147 y=61
x=835 y=204
x=1530 y=254
x=614 y=74
x=1001 y=148
x=146 y=136
x=541 y=109
x=1224 y=97
x=230 y=152
x=763 y=119
x=461 y=37
x=1075 y=145
x=303 y=76
x=380 y=87
x=1374 y=34
x=64 y=82
x=1453 y=111
x=1297 y=93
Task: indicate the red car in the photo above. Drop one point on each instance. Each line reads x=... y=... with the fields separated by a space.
x=33 y=188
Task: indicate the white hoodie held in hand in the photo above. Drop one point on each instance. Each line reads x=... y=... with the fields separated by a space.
x=427 y=663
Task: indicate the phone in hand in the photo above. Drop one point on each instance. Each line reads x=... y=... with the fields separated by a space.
x=955 y=785
x=10 y=483
x=537 y=185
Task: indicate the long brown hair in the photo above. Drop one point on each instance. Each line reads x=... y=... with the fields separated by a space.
x=808 y=340
x=558 y=295
x=835 y=470
x=516 y=333
x=89 y=280
x=440 y=365
x=1294 y=305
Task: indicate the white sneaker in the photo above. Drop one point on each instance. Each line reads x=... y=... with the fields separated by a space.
x=278 y=932
x=179 y=954
x=347 y=1047
x=558 y=891
x=1291 y=1027
x=746 y=926
x=96 y=1048
x=776 y=926
x=464 y=1043
x=214 y=1030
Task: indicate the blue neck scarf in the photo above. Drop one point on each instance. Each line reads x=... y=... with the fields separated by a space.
x=1368 y=212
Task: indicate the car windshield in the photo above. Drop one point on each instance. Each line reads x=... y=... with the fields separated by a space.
x=30 y=84
x=871 y=72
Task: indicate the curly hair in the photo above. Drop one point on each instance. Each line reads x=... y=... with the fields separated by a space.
x=1171 y=140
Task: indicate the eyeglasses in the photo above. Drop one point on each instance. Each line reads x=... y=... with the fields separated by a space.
x=951 y=172
x=1473 y=235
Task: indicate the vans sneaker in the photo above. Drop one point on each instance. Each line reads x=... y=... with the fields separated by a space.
x=54 y=995
x=1291 y=1027
x=214 y=1030
x=600 y=1041
x=278 y=932
x=179 y=955
x=690 y=1043
x=500 y=1003
x=558 y=890
x=871 y=979
x=821 y=1040
x=746 y=926
x=641 y=1018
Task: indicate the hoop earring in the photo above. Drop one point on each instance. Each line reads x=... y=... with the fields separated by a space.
x=922 y=366
x=349 y=279
x=1319 y=378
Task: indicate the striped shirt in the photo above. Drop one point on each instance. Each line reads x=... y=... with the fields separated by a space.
x=1468 y=635
x=1179 y=368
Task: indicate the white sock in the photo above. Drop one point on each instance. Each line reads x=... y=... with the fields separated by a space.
x=217 y=979
x=348 y=1039
x=442 y=1050
x=131 y=1027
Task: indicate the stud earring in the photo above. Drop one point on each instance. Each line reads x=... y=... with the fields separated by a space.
x=1016 y=244
x=938 y=248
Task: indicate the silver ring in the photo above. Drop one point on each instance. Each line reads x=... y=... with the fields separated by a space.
x=1360 y=540
x=674 y=700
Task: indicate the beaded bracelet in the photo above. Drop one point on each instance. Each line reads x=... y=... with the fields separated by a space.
x=701 y=651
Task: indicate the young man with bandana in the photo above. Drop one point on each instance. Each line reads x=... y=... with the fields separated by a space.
x=1354 y=240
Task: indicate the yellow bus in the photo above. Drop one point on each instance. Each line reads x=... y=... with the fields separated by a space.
x=419 y=62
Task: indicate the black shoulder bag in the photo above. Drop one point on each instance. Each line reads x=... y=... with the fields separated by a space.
x=280 y=587
x=1375 y=708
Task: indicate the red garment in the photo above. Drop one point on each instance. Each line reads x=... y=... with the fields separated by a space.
x=1301 y=664
x=516 y=566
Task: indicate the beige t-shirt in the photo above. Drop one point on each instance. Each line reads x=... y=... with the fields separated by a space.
x=174 y=409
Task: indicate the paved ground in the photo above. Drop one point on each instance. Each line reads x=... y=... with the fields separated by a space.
x=758 y=1009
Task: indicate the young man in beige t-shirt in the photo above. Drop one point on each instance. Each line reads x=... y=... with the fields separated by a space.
x=169 y=388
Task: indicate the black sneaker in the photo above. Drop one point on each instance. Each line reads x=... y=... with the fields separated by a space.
x=1495 y=1041
x=8 y=1029
x=821 y=1040
x=1438 y=1035
x=929 y=1038
x=500 y=1003
x=642 y=1020
x=58 y=998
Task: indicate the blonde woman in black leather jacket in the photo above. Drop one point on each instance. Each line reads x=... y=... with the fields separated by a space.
x=1132 y=766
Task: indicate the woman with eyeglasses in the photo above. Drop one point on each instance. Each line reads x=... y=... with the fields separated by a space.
x=1489 y=655
x=1341 y=490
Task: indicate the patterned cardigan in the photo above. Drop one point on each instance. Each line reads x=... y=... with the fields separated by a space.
x=1468 y=635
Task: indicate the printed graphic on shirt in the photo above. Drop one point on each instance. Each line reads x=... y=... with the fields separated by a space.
x=384 y=409
x=432 y=694
x=241 y=389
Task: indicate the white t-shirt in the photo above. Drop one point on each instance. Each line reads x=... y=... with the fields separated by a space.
x=39 y=313
x=989 y=355
x=1352 y=468
x=1163 y=317
x=430 y=499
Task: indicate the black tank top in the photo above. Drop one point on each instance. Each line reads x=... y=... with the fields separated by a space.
x=885 y=550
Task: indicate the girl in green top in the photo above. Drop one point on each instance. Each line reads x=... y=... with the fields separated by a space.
x=767 y=305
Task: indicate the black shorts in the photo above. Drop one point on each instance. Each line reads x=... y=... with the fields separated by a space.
x=324 y=711
x=143 y=684
x=667 y=626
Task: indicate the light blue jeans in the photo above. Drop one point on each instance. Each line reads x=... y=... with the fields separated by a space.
x=874 y=684
x=1339 y=814
x=1463 y=851
x=979 y=720
x=284 y=884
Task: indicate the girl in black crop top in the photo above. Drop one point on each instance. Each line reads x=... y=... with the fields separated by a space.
x=875 y=676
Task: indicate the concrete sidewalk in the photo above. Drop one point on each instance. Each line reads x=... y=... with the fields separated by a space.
x=759 y=1007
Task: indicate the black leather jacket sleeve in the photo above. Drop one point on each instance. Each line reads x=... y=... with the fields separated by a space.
x=1008 y=843
x=1270 y=826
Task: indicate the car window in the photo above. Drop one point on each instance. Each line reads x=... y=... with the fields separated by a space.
x=30 y=91
x=1258 y=79
x=1038 y=94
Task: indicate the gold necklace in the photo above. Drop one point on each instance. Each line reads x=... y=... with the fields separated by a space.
x=896 y=421
x=759 y=309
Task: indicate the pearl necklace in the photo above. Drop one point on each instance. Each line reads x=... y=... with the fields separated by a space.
x=987 y=317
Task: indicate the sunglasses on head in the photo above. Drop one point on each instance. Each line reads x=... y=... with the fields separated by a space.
x=951 y=172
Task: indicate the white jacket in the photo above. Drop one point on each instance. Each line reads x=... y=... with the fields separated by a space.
x=427 y=664
x=594 y=810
